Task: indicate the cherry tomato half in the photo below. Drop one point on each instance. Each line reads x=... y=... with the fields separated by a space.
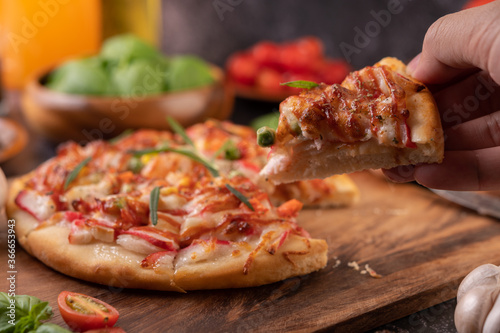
x=269 y=79
x=334 y=71
x=266 y=53
x=82 y=312
x=311 y=46
x=243 y=68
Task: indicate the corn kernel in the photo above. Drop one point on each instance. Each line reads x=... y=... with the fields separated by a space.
x=168 y=190
x=147 y=158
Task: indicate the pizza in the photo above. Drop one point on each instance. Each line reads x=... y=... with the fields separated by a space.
x=378 y=117
x=166 y=211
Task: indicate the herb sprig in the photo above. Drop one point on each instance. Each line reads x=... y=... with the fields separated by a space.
x=192 y=155
x=240 y=196
x=300 y=84
x=73 y=174
x=177 y=128
x=154 y=198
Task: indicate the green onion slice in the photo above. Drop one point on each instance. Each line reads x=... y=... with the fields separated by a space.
x=229 y=151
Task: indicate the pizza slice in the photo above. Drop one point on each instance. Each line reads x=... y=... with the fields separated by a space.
x=149 y=211
x=234 y=150
x=379 y=117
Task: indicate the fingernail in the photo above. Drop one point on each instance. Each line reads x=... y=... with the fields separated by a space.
x=401 y=174
x=412 y=66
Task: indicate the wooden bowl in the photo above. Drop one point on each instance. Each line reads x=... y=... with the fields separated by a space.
x=13 y=139
x=60 y=116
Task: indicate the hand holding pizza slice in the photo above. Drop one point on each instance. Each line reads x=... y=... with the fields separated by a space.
x=379 y=117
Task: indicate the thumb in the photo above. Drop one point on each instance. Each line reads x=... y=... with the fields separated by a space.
x=459 y=43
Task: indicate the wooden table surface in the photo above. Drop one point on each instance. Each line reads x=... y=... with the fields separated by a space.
x=421 y=244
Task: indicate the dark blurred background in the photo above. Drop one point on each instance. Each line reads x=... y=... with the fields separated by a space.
x=360 y=32
x=214 y=29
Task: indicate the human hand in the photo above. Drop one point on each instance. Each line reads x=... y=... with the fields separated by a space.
x=460 y=63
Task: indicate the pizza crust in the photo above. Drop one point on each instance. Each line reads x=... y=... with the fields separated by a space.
x=266 y=268
x=107 y=264
x=306 y=161
x=425 y=124
x=112 y=265
x=345 y=158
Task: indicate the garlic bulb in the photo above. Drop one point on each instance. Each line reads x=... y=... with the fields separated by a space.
x=478 y=301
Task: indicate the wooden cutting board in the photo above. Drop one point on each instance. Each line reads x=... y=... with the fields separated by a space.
x=421 y=244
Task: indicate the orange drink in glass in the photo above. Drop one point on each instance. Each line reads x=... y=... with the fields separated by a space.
x=38 y=34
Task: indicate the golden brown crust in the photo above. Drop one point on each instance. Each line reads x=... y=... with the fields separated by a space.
x=266 y=268
x=107 y=264
x=425 y=124
x=304 y=160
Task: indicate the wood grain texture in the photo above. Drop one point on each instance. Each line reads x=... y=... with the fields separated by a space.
x=421 y=244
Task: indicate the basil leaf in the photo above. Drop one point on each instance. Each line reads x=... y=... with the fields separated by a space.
x=41 y=311
x=300 y=84
x=5 y=326
x=240 y=196
x=25 y=324
x=154 y=197
x=177 y=128
x=24 y=303
x=76 y=171
x=212 y=169
x=28 y=313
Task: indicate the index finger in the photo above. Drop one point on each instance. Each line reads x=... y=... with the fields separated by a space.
x=458 y=43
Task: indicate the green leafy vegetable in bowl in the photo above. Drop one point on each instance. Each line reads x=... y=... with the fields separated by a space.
x=127 y=66
x=142 y=77
x=186 y=72
x=23 y=313
x=126 y=48
x=83 y=77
